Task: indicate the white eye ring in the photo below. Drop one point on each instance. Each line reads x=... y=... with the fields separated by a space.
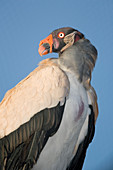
x=61 y=35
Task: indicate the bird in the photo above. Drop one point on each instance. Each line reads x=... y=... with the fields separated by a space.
x=47 y=121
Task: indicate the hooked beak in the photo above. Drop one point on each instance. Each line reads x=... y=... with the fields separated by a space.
x=45 y=45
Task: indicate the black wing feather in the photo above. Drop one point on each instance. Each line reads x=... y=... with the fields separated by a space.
x=21 y=149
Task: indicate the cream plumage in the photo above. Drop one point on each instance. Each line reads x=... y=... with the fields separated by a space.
x=48 y=119
x=33 y=94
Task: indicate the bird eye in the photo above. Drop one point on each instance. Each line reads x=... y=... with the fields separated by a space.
x=61 y=35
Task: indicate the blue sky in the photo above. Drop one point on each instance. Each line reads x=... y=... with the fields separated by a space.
x=24 y=23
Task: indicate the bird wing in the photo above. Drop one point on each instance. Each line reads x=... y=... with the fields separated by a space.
x=78 y=160
x=30 y=113
x=81 y=148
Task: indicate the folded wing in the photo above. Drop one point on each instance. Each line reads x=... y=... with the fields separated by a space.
x=30 y=113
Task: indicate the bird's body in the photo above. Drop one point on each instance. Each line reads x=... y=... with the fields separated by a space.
x=50 y=115
x=59 y=149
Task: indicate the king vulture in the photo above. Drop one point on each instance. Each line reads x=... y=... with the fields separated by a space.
x=48 y=119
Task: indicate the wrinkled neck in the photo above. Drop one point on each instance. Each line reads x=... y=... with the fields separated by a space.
x=79 y=59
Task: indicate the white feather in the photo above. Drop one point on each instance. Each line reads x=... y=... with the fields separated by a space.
x=44 y=88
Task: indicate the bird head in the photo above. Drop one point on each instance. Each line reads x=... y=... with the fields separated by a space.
x=59 y=40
